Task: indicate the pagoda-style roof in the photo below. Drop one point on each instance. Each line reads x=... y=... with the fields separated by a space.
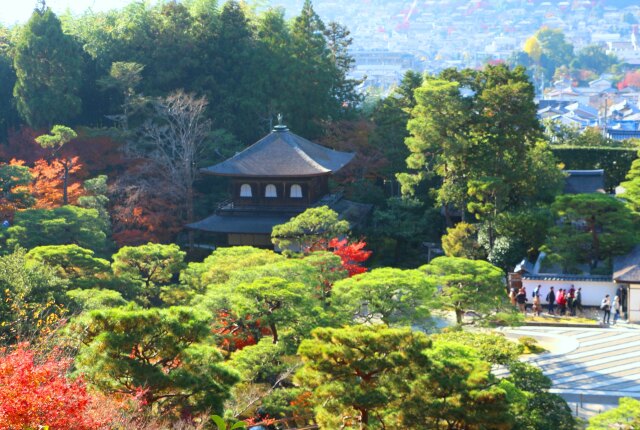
x=282 y=154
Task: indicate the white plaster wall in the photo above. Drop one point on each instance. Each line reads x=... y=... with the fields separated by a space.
x=592 y=292
x=634 y=303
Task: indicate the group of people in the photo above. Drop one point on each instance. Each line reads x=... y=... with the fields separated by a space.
x=606 y=306
x=566 y=300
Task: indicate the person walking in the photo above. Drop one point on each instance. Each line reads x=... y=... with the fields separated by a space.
x=536 y=291
x=571 y=297
x=513 y=292
x=521 y=299
x=616 y=309
x=562 y=301
x=577 y=302
x=605 y=306
x=537 y=309
x=551 y=300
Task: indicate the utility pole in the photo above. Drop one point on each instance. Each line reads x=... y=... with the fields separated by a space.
x=606 y=107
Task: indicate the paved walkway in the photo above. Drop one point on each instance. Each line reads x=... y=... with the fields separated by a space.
x=589 y=366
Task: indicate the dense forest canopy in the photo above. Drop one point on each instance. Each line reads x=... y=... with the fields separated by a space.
x=105 y=120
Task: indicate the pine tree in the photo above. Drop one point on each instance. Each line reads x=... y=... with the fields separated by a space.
x=48 y=66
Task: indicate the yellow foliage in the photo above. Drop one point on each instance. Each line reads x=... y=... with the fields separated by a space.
x=533 y=49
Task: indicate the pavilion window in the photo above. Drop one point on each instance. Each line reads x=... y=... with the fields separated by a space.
x=295 y=192
x=270 y=191
x=245 y=191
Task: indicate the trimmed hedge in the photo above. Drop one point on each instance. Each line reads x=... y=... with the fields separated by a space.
x=616 y=162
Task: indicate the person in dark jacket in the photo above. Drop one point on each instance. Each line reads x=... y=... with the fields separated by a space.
x=551 y=300
x=577 y=302
x=621 y=293
x=521 y=299
x=571 y=297
x=605 y=306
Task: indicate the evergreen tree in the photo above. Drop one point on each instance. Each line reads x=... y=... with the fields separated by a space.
x=312 y=77
x=466 y=284
x=162 y=355
x=273 y=59
x=390 y=116
x=48 y=66
x=8 y=114
x=359 y=373
x=632 y=187
x=589 y=228
x=343 y=90
x=478 y=132
x=235 y=104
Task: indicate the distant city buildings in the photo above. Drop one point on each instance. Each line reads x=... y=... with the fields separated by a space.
x=599 y=104
x=393 y=36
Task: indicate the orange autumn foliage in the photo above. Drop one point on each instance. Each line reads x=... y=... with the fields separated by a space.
x=143 y=208
x=47 y=183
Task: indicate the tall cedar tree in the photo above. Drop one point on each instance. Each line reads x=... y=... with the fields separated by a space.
x=312 y=76
x=48 y=66
x=235 y=104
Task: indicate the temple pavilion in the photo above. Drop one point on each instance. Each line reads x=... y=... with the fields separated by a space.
x=271 y=181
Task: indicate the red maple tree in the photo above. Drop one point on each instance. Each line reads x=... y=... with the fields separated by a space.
x=631 y=79
x=353 y=255
x=35 y=392
x=235 y=333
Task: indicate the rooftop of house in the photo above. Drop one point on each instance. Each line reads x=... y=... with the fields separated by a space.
x=282 y=154
x=626 y=268
x=584 y=181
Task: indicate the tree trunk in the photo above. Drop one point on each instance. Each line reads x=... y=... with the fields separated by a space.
x=190 y=212
x=447 y=216
x=364 y=419
x=459 y=315
x=65 y=181
x=274 y=332
x=595 y=243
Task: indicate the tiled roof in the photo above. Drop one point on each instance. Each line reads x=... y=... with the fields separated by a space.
x=561 y=277
x=262 y=222
x=282 y=154
x=253 y=224
x=626 y=268
x=584 y=181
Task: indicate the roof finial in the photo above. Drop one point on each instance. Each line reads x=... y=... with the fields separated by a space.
x=280 y=126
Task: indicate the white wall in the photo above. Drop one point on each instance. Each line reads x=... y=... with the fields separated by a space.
x=592 y=292
x=634 y=303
